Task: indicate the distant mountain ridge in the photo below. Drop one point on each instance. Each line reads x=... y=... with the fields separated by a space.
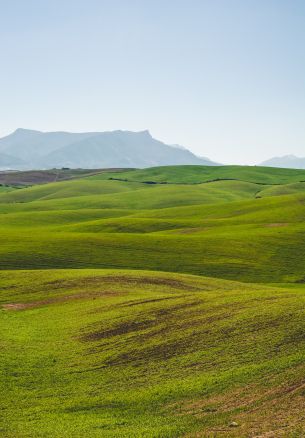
x=29 y=149
x=288 y=161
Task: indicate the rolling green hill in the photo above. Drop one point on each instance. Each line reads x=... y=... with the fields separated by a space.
x=228 y=229
x=5 y=188
x=135 y=308
x=198 y=174
x=148 y=354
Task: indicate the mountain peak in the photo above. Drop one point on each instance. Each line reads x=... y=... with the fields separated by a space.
x=287 y=161
x=23 y=130
x=146 y=132
x=45 y=150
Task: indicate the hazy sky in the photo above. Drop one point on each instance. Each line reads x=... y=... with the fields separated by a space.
x=225 y=78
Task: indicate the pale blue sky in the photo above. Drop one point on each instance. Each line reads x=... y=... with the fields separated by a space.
x=225 y=78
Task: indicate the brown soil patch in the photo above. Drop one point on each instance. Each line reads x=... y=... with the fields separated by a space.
x=89 y=281
x=179 y=328
x=121 y=329
x=33 y=177
x=276 y=225
x=16 y=306
x=260 y=412
x=191 y=230
x=169 y=282
x=153 y=300
x=59 y=299
x=150 y=319
x=175 y=336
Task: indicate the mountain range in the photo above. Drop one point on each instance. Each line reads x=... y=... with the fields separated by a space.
x=29 y=149
x=288 y=161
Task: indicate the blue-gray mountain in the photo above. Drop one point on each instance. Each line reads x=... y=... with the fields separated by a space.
x=288 y=161
x=28 y=149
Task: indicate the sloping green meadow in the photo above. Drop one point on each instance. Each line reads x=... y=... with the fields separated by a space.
x=164 y=302
x=199 y=174
x=231 y=229
x=5 y=188
x=130 y=353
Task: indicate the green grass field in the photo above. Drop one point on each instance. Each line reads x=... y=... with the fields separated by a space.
x=5 y=188
x=166 y=302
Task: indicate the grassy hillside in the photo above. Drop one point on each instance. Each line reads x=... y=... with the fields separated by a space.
x=148 y=354
x=67 y=189
x=199 y=174
x=5 y=188
x=104 y=332
x=228 y=229
x=286 y=189
x=108 y=194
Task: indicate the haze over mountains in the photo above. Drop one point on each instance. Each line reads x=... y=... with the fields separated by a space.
x=29 y=149
x=288 y=161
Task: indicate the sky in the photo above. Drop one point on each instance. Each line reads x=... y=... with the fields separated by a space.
x=224 y=78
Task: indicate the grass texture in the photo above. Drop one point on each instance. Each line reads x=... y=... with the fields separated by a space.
x=165 y=302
